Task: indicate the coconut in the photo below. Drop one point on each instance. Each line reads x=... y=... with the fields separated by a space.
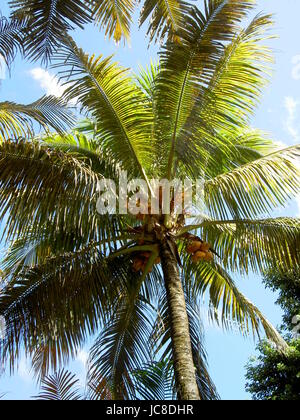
x=198 y=256
x=205 y=247
x=193 y=247
x=209 y=256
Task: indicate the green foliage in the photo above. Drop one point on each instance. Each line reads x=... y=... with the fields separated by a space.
x=274 y=375
x=288 y=285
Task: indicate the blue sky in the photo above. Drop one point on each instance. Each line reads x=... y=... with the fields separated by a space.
x=278 y=114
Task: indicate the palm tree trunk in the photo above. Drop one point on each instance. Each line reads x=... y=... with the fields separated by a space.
x=184 y=367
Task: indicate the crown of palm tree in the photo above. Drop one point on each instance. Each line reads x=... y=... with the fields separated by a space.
x=69 y=270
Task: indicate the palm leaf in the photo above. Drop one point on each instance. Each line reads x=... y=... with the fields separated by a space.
x=83 y=286
x=223 y=107
x=58 y=185
x=257 y=245
x=10 y=39
x=154 y=381
x=252 y=245
x=48 y=23
x=187 y=67
x=115 y=16
x=61 y=386
x=235 y=310
x=122 y=347
x=255 y=188
x=166 y=17
x=16 y=120
x=115 y=103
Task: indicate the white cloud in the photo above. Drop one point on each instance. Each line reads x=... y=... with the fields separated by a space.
x=82 y=357
x=48 y=82
x=2 y=68
x=292 y=125
x=296 y=67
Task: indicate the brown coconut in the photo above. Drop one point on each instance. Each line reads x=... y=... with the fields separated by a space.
x=198 y=256
x=205 y=247
x=193 y=247
x=209 y=256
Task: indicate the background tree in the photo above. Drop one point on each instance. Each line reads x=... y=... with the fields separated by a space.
x=274 y=375
x=71 y=272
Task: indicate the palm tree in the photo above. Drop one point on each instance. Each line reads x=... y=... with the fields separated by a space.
x=70 y=271
x=49 y=21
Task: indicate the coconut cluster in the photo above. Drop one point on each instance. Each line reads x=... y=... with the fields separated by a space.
x=200 y=251
x=140 y=261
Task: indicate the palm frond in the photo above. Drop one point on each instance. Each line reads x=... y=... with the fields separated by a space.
x=84 y=287
x=16 y=120
x=228 y=305
x=111 y=97
x=225 y=105
x=10 y=38
x=48 y=23
x=242 y=71
x=115 y=16
x=255 y=188
x=252 y=245
x=257 y=245
x=123 y=346
x=188 y=67
x=166 y=17
x=154 y=381
x=44 y=189
x=61 y=386
x=83 y=147
x=146 y=78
